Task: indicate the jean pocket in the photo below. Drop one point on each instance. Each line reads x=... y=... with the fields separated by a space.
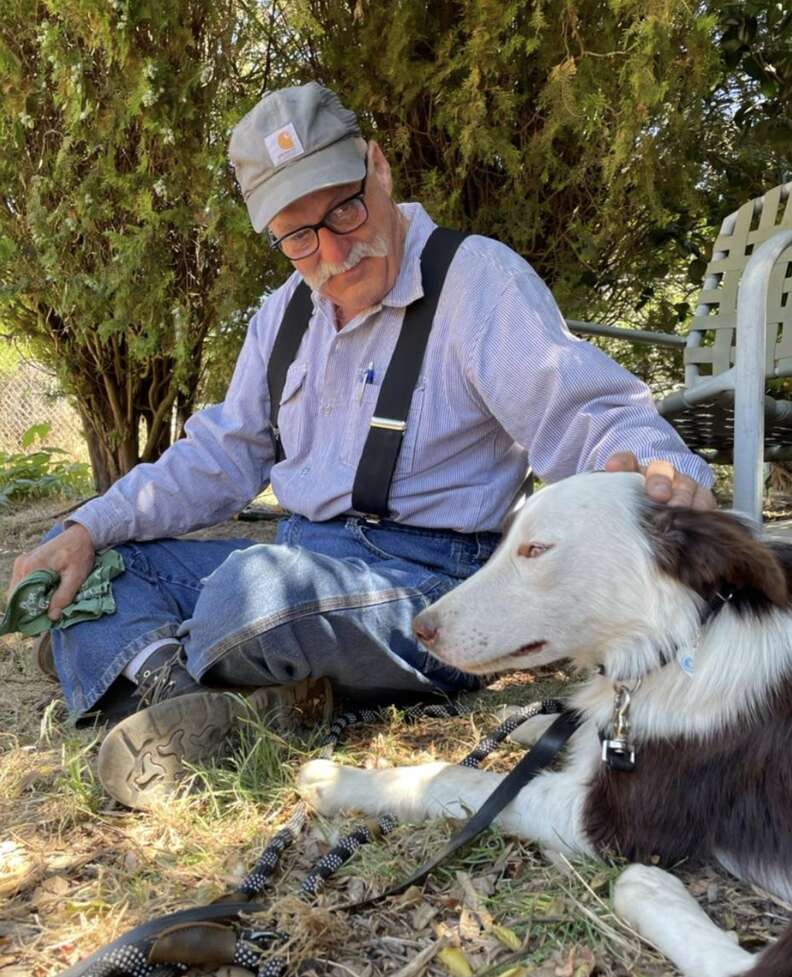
x=432 y=553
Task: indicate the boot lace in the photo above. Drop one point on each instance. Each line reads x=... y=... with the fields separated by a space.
x=157 y=684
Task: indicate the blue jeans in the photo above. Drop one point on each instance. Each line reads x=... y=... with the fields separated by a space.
x=332 y=599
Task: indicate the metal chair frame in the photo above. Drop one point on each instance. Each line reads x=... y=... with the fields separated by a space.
x=740 y=337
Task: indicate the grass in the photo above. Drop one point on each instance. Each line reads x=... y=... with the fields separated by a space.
x=87 y=870
x=502 y=904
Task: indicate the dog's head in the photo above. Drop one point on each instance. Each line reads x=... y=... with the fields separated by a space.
x=590 y=569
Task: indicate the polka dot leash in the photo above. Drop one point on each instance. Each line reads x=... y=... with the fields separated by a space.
x=545 y=707
x=330 y=863
x=255 y=881
x=251 y=949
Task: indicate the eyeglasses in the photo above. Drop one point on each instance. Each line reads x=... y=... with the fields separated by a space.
x=343 y=218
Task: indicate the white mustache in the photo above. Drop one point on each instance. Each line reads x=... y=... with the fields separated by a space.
x=378 y=248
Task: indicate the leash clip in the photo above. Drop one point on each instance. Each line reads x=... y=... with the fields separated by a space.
x=618 y=751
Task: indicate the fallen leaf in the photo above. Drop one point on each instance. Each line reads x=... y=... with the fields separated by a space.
x=506 y=936
x=579 y=963
x=469 y=928
x=411 y=897
x=18 y=868
x=423 y=915
x=55 y=885
x=415 y=966
x=455 y=962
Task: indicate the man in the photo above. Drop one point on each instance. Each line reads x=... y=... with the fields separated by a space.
x=502 y=384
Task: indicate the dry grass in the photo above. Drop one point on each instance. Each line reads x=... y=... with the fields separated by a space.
x=87 y=870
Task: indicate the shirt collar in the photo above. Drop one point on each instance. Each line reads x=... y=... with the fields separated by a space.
x=408 y=285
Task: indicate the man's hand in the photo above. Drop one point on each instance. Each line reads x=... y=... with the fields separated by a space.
x=663 y=482
x=71 y=555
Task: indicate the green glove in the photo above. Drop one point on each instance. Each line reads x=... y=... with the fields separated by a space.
x=27 y=606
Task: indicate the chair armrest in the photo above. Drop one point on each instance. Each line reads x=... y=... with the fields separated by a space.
x=640 y=336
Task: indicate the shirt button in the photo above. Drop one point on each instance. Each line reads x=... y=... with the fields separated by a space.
x=327 y=409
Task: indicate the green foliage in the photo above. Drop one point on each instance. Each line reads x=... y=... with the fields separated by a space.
x=123 y=241
x=40 y=472
x=599 y=138
x=604 y=140
x=568 y=129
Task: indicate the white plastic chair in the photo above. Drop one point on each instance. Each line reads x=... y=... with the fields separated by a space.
x=740 y=337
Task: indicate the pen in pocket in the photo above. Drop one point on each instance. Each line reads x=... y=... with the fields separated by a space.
x=366 y=377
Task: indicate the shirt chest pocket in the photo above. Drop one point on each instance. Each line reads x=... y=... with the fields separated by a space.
x=358 y=426
x=291 y=409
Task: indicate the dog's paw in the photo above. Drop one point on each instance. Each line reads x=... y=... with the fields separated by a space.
x=639 y=884
x=644 y=893
x=320 y=785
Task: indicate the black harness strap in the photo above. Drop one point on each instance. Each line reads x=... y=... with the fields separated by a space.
x=374 y=475
x=287 y=342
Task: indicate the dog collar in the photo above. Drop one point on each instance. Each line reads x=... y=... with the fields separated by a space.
x=618 y=747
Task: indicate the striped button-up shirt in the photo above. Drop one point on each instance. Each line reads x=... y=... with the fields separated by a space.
x=503 y=385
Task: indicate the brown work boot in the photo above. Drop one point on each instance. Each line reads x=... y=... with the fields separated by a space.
x=142 y=759
x=42 y=649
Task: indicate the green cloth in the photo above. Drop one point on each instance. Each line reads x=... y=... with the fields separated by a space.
x=27 y=606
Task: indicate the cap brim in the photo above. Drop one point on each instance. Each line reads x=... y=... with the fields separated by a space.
x=339 y=163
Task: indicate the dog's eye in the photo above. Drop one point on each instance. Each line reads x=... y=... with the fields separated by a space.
x=532 y=550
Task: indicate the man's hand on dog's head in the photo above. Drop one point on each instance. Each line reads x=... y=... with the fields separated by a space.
x=663 y=482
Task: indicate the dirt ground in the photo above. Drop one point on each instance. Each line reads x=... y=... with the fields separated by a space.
x=76 y=870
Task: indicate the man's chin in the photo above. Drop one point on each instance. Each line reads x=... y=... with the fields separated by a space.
x=353 y=290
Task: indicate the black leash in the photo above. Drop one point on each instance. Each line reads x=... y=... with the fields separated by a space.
x=537 y=759
x=138 y=951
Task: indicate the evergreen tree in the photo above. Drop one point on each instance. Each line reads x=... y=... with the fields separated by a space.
x=123 y=241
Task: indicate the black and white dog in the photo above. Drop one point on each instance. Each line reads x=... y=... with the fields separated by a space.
x=687 y=617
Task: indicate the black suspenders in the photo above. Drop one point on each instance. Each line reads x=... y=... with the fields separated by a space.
x=377 y=464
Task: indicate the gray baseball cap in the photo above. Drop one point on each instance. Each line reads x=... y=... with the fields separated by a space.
x=292 y=142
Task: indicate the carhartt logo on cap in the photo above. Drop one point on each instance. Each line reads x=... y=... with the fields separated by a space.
x=283 y=144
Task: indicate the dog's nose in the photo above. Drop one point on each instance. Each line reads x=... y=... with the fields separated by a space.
x=425 y=629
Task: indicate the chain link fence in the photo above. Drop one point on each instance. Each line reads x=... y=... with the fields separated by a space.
x=29 y=394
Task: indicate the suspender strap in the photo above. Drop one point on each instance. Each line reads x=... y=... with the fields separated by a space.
x=378 y=461
x=287 y=342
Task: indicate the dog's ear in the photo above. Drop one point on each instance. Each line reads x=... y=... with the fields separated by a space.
x=713 y=552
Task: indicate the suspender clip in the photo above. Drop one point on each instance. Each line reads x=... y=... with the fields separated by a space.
x=388 y=424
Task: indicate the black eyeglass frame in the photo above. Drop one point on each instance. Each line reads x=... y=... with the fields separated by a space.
x=360 y=195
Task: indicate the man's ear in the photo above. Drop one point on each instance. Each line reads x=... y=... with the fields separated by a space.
x=714 y=552
x=380 y=167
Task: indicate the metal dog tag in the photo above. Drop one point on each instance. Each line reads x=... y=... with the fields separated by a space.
x=618 y=752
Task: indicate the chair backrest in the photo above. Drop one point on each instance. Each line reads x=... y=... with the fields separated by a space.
x=710 y=342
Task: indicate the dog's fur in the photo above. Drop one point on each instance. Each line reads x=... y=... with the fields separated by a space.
x=590 y=570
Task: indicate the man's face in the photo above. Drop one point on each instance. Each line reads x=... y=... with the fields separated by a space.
x=354 y=270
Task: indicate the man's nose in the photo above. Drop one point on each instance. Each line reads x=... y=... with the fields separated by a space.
x=426 y=628
x=333 y=248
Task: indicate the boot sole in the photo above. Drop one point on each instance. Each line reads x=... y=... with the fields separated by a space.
x=142 y=760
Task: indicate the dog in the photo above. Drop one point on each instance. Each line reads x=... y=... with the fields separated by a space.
x=687 y=616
